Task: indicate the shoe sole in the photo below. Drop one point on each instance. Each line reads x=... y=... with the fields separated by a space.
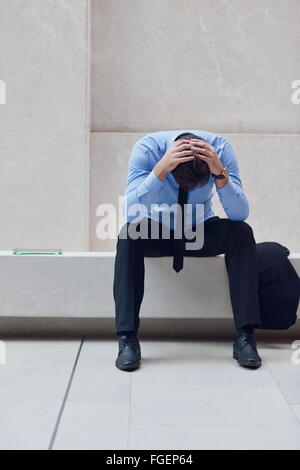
x=129 y=367
x=246 y=364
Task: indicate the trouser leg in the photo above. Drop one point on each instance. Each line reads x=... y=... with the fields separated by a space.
x=129 y=273
x=128 y=286
x=241 y=264
x=235 y=239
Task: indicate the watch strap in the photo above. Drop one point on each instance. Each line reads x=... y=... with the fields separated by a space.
x=222 y=175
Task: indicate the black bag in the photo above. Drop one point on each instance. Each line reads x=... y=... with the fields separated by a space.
x=279 y=286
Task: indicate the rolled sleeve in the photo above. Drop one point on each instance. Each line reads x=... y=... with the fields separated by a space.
x=232 y=197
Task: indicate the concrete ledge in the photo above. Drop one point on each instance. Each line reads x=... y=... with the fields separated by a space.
x=79 y=285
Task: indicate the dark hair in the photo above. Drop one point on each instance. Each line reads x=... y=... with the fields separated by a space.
x=194 y=172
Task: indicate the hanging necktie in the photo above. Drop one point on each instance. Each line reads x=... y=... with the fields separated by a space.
x=179 y=243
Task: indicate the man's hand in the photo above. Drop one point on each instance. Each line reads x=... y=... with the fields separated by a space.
x=178 y=152
x=208 y=153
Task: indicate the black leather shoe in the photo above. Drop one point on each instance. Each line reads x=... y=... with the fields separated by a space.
x=129 y=356
x=245 y=352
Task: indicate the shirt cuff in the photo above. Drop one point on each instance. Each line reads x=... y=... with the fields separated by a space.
x=228 y=189
x=152 y=182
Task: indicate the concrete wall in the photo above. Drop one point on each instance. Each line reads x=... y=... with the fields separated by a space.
x=270 y=182
x=44 y=183
x=222 y=65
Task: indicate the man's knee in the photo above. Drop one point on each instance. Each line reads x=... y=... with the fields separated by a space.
x=241 y=229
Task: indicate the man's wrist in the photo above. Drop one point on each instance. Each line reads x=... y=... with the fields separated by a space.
x=219 y=171
x=221 y=177
x=221 y=183
x=160 y=171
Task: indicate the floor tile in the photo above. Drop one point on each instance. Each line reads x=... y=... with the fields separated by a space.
x=93 y=426
x=27 y=353
x=296 y=410
x=189 y=383
x=19 y=385
x=286 y=373
x=96 y=414
x=185 y=395
x=27 y=425
x=167 y=404
x=215 y=437
x=33 y=383
x=97 y=379
x=196 y=363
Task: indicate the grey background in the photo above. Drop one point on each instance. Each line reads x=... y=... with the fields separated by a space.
x=85 y=79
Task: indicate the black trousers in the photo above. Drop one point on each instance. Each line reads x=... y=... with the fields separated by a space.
x=235 y=239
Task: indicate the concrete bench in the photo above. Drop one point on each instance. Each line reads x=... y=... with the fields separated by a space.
x=79 y=285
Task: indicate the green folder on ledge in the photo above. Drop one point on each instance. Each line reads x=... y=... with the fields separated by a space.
x=34 y=251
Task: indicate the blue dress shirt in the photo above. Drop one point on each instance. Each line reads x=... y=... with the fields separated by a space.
x=151 y=197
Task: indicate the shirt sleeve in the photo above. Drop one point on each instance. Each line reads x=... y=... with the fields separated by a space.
x=232 y=197
x=143 y=186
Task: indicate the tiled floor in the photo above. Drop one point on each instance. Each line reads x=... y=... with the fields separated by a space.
x=186 y=395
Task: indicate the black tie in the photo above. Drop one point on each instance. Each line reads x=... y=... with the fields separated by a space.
x=179 y=243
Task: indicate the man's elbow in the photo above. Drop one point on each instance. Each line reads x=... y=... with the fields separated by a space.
x=240 y=215
x=238 y=218
x=133 y=210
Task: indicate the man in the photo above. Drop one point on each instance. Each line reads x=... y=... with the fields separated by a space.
x=183 y=167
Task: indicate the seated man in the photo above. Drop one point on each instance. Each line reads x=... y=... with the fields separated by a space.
x=181 y=168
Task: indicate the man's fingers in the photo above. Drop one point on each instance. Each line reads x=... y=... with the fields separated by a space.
x=184 y=145
x=182 y=141
x=185 y=159
x=184 y=152
x=201 y=144
x=206 y=159
x=202 y=151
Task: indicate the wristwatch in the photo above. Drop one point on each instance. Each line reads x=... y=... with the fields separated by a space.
x=223 y=175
